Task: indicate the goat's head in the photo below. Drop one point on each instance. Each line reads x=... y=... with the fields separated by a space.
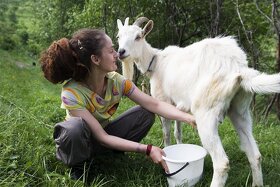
x=131 y=38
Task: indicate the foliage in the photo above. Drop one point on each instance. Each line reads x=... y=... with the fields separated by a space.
x=7 y=23
x=176 y=22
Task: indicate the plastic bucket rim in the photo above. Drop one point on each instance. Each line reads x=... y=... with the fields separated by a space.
x=190 y=160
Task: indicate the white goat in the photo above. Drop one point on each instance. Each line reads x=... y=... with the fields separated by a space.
x=211 y=79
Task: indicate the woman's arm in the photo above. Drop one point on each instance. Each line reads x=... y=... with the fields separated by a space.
x=115 y=142
x=161 y=108
x=105 y=139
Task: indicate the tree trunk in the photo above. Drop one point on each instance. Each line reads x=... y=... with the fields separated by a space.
x=215 y=12
x=278 y=69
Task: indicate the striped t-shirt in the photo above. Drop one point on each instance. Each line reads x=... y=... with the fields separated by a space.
x=75 y=96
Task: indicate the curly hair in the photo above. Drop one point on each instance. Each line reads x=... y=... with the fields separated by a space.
x=65 y=59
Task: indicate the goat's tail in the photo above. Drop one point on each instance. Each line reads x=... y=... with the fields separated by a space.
x=256 y=82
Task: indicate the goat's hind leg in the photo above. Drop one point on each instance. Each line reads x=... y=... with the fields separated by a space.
x=242 y=121
x=207 y=126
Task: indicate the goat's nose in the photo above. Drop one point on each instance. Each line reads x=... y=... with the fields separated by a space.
x=121 y=52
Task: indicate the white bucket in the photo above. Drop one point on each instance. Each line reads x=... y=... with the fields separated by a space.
x=185 y=163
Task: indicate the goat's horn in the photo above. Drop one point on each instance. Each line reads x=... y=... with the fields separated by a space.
x=140 y=21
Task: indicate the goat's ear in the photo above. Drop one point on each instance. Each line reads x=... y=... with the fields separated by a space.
x=148 y=27
x=126 y=21
x=120 y=25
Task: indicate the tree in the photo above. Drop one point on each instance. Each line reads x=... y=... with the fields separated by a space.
x=215 y=12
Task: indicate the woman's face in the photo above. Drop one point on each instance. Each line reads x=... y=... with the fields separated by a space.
x=109 y=57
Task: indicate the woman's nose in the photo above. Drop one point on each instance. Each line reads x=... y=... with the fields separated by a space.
x=116 y=54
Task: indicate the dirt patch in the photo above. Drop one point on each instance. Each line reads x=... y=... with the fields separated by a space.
x=21 y=65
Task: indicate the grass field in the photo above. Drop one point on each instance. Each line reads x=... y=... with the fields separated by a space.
x=30 y=106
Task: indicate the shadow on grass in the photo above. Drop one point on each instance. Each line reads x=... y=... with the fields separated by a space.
x=128 y=169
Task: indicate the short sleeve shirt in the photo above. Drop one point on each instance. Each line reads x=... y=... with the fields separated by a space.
x=75 y=96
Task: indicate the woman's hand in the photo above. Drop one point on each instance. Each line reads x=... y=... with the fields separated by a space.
x=156 y=155
x=191 y=120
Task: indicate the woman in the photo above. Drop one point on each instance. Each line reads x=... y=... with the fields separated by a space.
x=91 y=93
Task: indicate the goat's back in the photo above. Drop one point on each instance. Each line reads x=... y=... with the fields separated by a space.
x=207 y=56
x=207 y=69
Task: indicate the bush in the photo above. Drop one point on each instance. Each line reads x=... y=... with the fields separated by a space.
x=33 y=47
x=7 y=43
x=24 y=36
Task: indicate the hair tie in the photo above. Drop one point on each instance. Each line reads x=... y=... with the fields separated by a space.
x=80 y=44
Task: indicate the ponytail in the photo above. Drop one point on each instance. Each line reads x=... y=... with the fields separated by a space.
x=57 y=62
x=66 y=59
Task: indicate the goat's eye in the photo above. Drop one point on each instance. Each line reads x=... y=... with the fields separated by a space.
x=138 y=37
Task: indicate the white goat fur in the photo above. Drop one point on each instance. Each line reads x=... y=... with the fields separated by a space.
x=210 y=79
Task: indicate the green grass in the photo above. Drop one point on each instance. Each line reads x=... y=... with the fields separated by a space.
x=30 y=106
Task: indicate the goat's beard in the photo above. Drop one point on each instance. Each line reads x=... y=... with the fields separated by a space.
x=127 y=59
x=127 y=69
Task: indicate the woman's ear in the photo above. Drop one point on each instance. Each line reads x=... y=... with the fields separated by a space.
x=95 y=59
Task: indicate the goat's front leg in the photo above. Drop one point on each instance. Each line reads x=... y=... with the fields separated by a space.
x=166 y=126
x=207 y=126
x=178 y=132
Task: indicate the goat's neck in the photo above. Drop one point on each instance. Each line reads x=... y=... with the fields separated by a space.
x=144 y=60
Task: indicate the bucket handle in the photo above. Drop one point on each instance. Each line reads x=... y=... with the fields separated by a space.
x=175 y=172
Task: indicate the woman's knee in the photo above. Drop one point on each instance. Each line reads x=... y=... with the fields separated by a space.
x=70 y=127
x=76 y=129
x=73 y=141
x=73 y=129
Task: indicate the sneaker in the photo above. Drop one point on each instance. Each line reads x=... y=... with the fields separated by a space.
x=77 y=172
